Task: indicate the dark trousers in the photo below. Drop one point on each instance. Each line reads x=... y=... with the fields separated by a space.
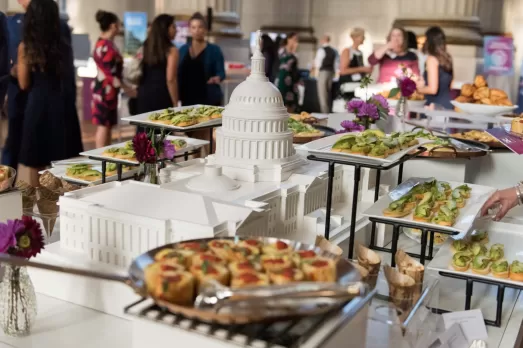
x=13 y=144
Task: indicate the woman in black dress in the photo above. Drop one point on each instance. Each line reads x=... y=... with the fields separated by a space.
x=51 y=129
x=158 y=87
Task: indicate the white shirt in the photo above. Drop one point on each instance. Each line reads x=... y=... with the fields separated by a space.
x=320 y=55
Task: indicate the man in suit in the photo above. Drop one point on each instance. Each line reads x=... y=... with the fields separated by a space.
x=16 y=98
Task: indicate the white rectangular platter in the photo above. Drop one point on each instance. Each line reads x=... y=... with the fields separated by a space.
x=507 y=234
x=192 y=144
x=60 y=172
x=467 y=215
x=143 y=119
x=322 y=148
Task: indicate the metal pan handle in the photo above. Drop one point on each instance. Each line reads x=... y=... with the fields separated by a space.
x=18 y=261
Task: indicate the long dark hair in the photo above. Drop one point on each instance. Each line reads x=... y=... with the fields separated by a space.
x=41 y=37
x=436 y=45
x=157 y=46
x=105 y=19
x=412 y=41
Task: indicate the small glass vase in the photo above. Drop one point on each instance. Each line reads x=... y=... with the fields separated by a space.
x=402 y=111
x=17 y=302
x=152 y=173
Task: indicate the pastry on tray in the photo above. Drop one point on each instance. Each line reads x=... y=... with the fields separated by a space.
x=244 y=266
x=500 y=269
x=480 y=93
x=206 y=271
x=208 y=257
x=249 y=279
x=181 y=257
x=277 y=248
x=251 y=243
x=303 y=255
x=274 y=263
x=300 y=129
x=461 y=261
x=221 y=247
x=480 y=237
x=481 y=264
x=459 y=246
x=516 y=271
x=496 y=252
x=516 y=125
x=287 y=275
x=319 y=269
x=183 y=121
x=174 y=286
x=193 y=246
x=478 y=249
x=399 y=208
x=83 y=172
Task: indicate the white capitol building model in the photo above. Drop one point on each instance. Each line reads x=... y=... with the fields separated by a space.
x=256 y=184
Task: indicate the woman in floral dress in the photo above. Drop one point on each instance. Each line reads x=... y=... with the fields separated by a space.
x=288 y=75
x=106 y=87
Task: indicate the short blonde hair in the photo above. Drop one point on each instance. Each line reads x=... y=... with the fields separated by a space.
x=357 y=32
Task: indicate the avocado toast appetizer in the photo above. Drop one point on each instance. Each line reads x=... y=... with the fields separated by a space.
x=398 y=208
x=500 y=269
x=461 y=261
x=481 y=265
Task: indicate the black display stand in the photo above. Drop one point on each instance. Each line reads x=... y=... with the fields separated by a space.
x=468 y=294
x=425 y=234
x=357 y=177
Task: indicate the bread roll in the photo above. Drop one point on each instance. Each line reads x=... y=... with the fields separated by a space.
x=248 y=279
x=467 y=90
x=479 y=81
x=482 y=93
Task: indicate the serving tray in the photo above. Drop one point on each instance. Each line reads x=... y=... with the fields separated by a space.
x=60 y=172
x=143 y=119
x=322 y=148
x=507 y=234
x=98 y=153
x=467 y=215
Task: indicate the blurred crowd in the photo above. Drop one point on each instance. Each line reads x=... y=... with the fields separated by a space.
x=38 y=76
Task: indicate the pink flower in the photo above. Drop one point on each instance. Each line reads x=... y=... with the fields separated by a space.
x=29 y=239
x=354 y=105
x=144 y=149
x=8 y=234
x=369 y=110
x=407 y=86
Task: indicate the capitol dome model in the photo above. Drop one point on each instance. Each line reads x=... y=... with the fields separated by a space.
x=254 y=143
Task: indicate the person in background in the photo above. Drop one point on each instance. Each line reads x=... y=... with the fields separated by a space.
x=158 y=87
x=107 y=84
x=16 y=98
x=326 y=64
x=132 y=103
x=393 y=55
x=288 y=75
x=43 y=71
x=412 y=45
x=201 y=68
x=269 y=51
x=438 y=74
x=4 y=62
x=352 y=67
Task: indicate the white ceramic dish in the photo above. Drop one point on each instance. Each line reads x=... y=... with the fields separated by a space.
x=143 y=119
x=467 y=215
x=60 y=172
x=507 y=234
x=410 y=103
x=322 y=148
x=485 y=110
x=98 y=153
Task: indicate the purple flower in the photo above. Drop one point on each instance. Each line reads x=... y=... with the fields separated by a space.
x=8 y=233
x=407 y=87
x=380 y=100
x=354 y=105
x=168 y=149
x=369 y=110
x=351 y=126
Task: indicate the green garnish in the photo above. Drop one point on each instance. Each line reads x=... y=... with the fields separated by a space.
x=165 y=285
x=496 y=253
x=479 y=236
x=423 y=210
x=205 y=266
x=480 y=262
x=460 y=245
x=461 y=259
x=516 y=267
x=478 y=249
x=500 y=266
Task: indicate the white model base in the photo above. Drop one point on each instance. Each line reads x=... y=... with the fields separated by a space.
x=272 y=172
x=10 y=205
x=101 y=295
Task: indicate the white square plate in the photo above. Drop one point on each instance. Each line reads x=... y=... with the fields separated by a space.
x=60 y=172
x=467 y=215
x=322 y=148
x=507 y=234
x=144 y=119
x=98 y=153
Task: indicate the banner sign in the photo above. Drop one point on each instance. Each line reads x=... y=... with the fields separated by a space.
x=135 y=25
x=498 y=53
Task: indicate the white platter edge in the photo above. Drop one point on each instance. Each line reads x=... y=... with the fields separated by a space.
x=465 y=220
x=321 y=147
x=499 y=232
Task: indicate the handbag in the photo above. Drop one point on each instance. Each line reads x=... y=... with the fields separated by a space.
x=133 y=72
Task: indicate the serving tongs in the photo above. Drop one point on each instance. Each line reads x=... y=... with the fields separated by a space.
x=284 y=298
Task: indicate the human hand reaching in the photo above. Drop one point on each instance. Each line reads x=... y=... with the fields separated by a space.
x=507 y=199
x=214 y=80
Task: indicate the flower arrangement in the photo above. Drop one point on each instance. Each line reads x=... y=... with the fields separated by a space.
x=406 y=83
x=22 y=238
x=151 y=147
x=367 y=112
